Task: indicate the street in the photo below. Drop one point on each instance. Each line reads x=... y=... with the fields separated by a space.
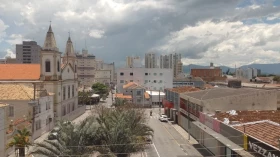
x=167 y=142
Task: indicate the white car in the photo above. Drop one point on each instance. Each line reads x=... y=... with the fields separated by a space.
x=163 y=118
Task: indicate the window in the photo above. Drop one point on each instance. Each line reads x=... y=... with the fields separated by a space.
x=58 y=66
x=48 y=66
x=68 y=108
x=138 y=92
x=11 y=111
x=155 y=74
x=131 y=74
x=39 y=108
x=131 y=80
x=121 y=81
x=146 y=74
x=155 y=81
x=73 y=107
x=160 y=81
x=121 y=73
x=73 y=93
x=75 y=68
x=64 y=111
x=48 y=105
x=64 y=93
x=68 y=91
x=38 y=124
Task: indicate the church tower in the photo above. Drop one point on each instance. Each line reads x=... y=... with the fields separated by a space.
x=69 y=56
x=50 y=58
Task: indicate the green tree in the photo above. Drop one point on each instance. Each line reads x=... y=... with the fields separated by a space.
x=276 y=78
x=119 y=102
x=100 y=89
x=73 y=139
x=84 y=97
x=20 y=141
x=123 y=130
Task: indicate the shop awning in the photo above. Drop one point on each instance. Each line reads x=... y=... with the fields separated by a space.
x=95 y=95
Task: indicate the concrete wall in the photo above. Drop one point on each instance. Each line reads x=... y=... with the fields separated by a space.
x=74 y=114
x=44 y=115
x=136 y=97
x=232 y=134
x=3 y=125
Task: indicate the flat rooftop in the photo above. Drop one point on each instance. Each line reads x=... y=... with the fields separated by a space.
x=219 y=93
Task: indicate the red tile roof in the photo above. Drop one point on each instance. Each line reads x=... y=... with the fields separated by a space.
x=264 y=131
x=19 y=72
x=121 y=96
x=251 y=116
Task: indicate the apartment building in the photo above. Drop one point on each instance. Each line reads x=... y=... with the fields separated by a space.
x=133 y=62
x=28 y=52
x=86 y=66
x=150 y=60
x=171 y=61
x=150 y=78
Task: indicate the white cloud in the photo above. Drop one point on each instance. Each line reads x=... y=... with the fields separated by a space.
x=3 y=28
x=226 y=43
x=16 y=39
x=96 y=33
x=10 y=53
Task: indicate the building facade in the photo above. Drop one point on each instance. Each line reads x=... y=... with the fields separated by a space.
x=8 y=60
x=3 y=124
x=188 y=81
x=150 y=60
x=86 y=66
x=28 y=52
x=61 y=79
x=171 y=61
x=133 y=62
x=166 y=61
x=150 y=78
x=208 y=75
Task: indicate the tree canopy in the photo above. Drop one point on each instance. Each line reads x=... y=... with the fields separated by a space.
x=100 y=89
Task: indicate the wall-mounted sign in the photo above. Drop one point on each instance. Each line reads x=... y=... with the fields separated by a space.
x=210 y=122
x=260 y=149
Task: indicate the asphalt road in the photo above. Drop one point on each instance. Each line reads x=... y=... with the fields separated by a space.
x=167 y=142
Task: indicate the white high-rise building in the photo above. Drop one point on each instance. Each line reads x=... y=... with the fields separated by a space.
x=150 y=60
x=166 y=61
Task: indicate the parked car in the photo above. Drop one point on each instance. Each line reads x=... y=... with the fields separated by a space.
x=55 y=131
x=163 y=118
x=149 y=139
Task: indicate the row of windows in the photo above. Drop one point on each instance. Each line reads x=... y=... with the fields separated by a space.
x=48 y=66
x=37 y=109
x=146 y=81
x=146 y=74
x=68 y=108
x=69 y=90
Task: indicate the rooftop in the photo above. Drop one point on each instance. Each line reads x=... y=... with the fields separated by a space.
x=3 y=104
x=219 y=93
x=187 y=79
x=183 y=89
x=121 y=96
x=264 y=131
x=155 y=93
x=20 y=72
x=250 y=116
x=263 y=125
x=147 y=96
x=16 y=92
x=132 y=85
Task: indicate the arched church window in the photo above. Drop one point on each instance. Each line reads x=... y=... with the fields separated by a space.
x=48 y=66
x=58 y=66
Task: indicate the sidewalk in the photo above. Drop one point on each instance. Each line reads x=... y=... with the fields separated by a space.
x=184 y=133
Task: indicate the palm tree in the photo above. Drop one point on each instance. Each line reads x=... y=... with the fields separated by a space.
x=20 y=141
x=72 y=140
x=123 y=130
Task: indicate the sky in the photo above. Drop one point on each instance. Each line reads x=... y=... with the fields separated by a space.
x=226 y=32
